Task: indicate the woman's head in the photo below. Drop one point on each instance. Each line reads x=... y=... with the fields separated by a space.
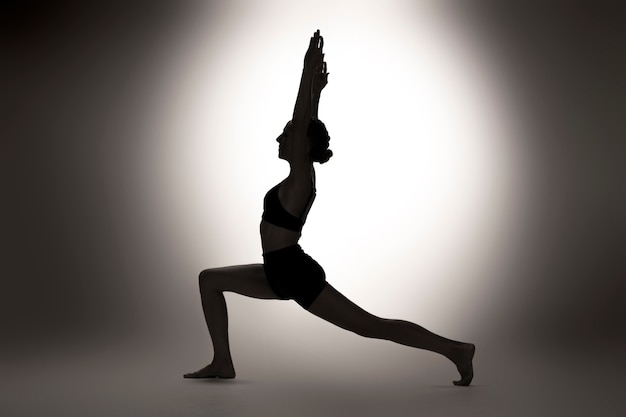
x=318 y=142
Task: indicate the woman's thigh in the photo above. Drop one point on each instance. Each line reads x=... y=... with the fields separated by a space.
x=337 y=309
x=248 y=280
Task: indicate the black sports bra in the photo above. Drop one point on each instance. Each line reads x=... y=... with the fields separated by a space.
x=275 y=213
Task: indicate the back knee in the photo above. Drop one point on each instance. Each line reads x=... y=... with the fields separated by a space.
x=373 y=327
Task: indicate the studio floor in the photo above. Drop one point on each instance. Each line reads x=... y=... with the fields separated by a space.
x=135 y=381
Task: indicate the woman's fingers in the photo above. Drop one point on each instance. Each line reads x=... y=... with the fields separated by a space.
x=314 y=55
x=318 y=40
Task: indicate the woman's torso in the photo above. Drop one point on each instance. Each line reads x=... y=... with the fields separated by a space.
x=295 y=198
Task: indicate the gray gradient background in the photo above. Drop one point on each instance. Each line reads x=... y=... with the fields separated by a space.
x=99 y=310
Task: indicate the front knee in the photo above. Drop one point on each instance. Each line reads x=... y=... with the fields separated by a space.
x=208 y=280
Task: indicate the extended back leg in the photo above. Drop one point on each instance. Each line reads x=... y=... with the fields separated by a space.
x=335 y=308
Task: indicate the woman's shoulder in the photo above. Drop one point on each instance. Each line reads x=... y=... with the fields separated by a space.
x=295 y=191
x=297 y=183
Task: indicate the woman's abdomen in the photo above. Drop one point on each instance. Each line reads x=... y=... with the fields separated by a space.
x=274 y=237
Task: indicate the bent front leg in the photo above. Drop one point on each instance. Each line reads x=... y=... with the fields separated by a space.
x=248 y=280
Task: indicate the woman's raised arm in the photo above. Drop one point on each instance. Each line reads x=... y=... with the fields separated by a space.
x=312 y=60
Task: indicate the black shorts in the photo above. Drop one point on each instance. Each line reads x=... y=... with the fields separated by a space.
x=293 y=274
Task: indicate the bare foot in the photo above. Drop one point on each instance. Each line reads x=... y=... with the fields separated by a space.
x=225 y=371
x=463 y=363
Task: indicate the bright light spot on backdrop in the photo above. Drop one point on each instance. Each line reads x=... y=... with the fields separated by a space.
x=417 y=205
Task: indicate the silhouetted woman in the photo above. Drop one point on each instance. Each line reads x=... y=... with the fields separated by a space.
x=287 y=272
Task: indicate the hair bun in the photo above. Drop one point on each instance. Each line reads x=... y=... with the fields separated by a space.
x=325 y=156
x=320 y=139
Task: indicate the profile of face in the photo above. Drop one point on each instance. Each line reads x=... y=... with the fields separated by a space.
x=285 y=142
